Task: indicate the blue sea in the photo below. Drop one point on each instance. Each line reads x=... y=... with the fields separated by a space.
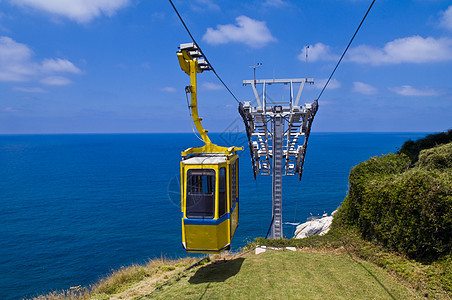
x=75 y=207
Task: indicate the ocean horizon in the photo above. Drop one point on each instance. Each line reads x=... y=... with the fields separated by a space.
x=77 y=206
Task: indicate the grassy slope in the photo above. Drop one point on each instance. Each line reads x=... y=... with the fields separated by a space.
x=339 y=265
x=287 y=275
x=434 y=279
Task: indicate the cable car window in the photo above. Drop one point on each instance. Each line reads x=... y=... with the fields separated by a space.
x=222 y=192
x=200 y=194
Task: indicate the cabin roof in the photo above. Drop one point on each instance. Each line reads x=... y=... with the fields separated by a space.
x=205 y=160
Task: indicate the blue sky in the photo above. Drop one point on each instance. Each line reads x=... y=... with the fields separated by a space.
x=98 y=66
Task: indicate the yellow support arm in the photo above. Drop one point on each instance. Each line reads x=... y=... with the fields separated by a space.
x=190 y=66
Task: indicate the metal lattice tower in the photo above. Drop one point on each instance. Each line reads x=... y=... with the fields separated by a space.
x=278 y=138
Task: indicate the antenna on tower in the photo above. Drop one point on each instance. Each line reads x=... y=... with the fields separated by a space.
x=258 y=65
x=307 y=47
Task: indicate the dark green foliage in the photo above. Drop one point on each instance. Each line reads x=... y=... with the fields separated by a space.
x=412 y=149
x=360 y=175
x=439 y=158
x=409 y=211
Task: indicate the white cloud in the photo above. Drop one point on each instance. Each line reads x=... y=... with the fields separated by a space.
x=446 y=18
x=200 y=5
x=59 y=65
x=275 y=3
x=17 y=64
x=211 y=86
x=29 y=89
x=81 y=11
x=408 y=90
x=317 y=52
x=320 y=83
x=364 y=88
x=8 y=109
x=56 y=80
x=146 y=65
x=414 y=49
x=122 y=66
x=169 y=89
x=2 y=16
x=248 y=31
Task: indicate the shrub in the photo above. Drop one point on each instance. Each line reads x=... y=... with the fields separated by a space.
x=359 y=176
x=439 y=158
x=412 y=149
x=410 y=212
x=407 y=210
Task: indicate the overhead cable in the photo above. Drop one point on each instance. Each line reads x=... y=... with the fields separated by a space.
x=200 y=50
x=345 y=51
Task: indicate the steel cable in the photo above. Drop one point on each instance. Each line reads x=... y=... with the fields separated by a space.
x=345 y=51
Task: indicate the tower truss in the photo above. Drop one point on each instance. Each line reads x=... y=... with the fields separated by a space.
x=278 y=134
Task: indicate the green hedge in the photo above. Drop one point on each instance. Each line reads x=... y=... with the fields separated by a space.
x=359 y=177
x=439 y=158
x=413 y=148
x=407 y=210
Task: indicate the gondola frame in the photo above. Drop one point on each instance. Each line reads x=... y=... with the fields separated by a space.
x=211 y=235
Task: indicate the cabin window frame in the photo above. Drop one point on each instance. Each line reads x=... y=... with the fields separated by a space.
x=233 y=182
x=222 y=192
x=204 y=190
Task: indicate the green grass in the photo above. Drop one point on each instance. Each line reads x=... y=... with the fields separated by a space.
x=338 y=265
x=135 y=280
x=288 y=275
x=432 y=279
x=127 y=282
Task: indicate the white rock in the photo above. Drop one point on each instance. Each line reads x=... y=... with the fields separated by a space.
x=315 y=227
x=291 y=248
x=260 y=249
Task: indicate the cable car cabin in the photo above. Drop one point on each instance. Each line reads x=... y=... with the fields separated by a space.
x=209 y=176
x=210 y=202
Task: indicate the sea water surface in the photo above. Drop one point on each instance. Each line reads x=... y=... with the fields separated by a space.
x=75 y=207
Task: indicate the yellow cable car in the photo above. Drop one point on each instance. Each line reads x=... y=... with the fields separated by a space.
x=209 y=177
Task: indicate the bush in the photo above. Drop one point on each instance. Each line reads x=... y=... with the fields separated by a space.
x=406 y=210
x=412 y=149
x=359 y=176
x=439 y=158
x=410 y=212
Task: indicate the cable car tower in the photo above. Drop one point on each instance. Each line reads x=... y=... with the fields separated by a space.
x=278 y=135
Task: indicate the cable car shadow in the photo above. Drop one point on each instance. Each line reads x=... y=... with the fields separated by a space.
x=217 y=272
